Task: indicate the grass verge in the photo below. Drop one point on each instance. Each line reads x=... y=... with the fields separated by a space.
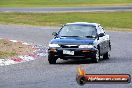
x=10 y=49
x=62 y=3
x=107 y=19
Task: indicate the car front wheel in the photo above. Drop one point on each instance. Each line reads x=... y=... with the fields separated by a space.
x=97 y=57
x=106 y=55
x=52 y=60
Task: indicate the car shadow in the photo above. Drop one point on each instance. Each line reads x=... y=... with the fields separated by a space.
x=75 y=62
x=89 y=61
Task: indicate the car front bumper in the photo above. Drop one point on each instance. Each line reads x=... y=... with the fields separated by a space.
x=78 y=53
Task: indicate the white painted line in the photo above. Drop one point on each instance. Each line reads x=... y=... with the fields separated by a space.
x=13 y=40
x=24 y=43
x=26 y=57
x=7 y=62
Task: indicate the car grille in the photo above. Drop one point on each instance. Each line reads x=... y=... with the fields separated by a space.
x=69 y=46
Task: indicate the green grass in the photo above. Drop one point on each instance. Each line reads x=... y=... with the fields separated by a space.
x=9 y=49
x=6 y=54
x=47 y=3
x=107 y=19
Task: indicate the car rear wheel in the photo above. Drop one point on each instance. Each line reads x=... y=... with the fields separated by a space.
x=106 y=55
x=97 y=57
x=52 y=60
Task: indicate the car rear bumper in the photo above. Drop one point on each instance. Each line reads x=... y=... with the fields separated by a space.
x=78 y=53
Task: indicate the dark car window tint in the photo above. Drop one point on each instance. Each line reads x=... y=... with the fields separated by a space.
x=78 y=30
x=100 y=30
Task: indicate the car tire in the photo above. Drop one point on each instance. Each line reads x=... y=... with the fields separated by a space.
x=97 y=56
x=110 y=45
x=52 y=60
x=106 y=55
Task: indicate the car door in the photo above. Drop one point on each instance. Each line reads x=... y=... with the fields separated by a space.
x=102 y=40
x=106 y=41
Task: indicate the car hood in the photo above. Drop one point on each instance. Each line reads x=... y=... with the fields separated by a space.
x=72 y=40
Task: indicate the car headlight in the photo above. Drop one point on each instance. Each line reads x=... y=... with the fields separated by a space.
x=54 y=45
x=86 y=46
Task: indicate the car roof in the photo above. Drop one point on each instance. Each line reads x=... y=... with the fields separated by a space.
x=83 y=23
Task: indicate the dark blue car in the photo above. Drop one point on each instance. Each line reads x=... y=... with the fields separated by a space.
x=79 y=40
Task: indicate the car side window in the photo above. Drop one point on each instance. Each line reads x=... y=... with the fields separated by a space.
x=101 y=30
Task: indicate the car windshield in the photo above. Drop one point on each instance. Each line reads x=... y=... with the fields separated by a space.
x=78 y=31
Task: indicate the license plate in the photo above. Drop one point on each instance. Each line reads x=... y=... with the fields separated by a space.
x=68 y=52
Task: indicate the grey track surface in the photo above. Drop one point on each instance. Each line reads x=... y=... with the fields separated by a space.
x=68 y=9
x=39 y=74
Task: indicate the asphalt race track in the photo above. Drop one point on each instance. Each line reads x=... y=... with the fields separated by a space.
x=39 y=74
x=68 y=9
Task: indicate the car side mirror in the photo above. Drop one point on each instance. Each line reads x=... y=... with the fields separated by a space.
x=101 y=35
x=54 y=33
